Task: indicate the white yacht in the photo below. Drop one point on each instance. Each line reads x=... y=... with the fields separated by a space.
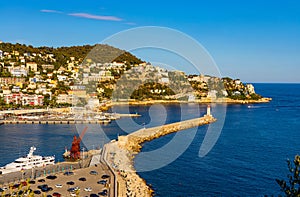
x=28 y=162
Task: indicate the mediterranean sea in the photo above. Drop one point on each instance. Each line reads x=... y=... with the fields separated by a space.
x=250 y=153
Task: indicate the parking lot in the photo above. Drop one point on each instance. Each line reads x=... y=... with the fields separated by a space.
x=92 y=181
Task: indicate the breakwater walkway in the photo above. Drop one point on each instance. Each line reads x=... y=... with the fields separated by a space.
x=119 y=154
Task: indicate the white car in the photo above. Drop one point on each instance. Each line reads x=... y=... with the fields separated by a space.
x=73 y=194
x=58 y=185
x=88 y=189
x=76 y=188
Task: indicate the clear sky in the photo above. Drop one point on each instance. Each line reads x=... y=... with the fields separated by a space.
x=256 y=41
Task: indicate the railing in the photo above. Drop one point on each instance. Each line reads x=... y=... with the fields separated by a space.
x=103 y=158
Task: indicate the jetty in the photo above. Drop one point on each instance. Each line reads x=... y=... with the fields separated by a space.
x=119 y=154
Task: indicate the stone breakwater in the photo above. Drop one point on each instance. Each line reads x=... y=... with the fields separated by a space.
x=120 y=154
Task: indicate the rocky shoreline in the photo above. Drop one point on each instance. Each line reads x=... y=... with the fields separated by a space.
x=120 y=154
x=203 y=101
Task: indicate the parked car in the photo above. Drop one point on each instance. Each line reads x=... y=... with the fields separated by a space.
x=58 y=185
x=82 y=179
x=88 y=189
x=31 y=182
x=56 y=194
x=105 y=176
x=37 y=192
x=102 y=182
x=68 y=173
x=93 y=172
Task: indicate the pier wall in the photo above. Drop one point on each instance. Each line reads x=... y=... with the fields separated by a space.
x=120 y=154
x=134 y=140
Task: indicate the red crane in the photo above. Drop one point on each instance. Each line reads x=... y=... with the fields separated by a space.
x=75 y=149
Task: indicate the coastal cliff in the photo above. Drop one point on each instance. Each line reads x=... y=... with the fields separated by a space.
x=121 y=154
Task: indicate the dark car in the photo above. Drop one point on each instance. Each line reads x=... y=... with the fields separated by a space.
x=93 y=172
x=105 y=176
x=68 y=173
x=46 y=189
x=1 y=190
x=70 y=183
x=102 y=182
x=72 y=189
x=37 y=192
x=42 y=186
x=51 y=177
x=94 y=195
x=15 y=186
x=102 y=193
x=41 y=180
x=31 y=182
x=82 y=179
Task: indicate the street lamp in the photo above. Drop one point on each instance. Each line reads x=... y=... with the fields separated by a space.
x=82 y=156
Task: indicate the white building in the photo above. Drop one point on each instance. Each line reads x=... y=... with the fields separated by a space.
x=16 y=89
x=61 y=77
x=33 y=100
x=64 y=98
x=250 y=89
x=18 y=72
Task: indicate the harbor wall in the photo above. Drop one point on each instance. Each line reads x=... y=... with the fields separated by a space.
x=121 y=153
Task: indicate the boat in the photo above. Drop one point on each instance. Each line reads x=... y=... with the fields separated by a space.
x=27 y=162
x=100 y=117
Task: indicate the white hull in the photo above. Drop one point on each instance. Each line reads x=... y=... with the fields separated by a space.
x=29 y=162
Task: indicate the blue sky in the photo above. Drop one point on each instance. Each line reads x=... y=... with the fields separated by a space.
x=256 y=41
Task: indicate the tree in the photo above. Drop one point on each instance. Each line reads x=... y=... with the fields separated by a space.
x=291 y=187
x=46 y=99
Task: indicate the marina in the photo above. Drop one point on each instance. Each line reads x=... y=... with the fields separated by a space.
x=86 y=164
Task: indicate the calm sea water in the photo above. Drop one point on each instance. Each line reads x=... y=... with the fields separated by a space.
x=249 y=154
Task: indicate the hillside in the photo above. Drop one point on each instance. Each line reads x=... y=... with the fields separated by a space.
x=63 y=54
x=46 y=76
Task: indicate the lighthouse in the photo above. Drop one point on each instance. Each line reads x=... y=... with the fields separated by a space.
x=208 y=111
